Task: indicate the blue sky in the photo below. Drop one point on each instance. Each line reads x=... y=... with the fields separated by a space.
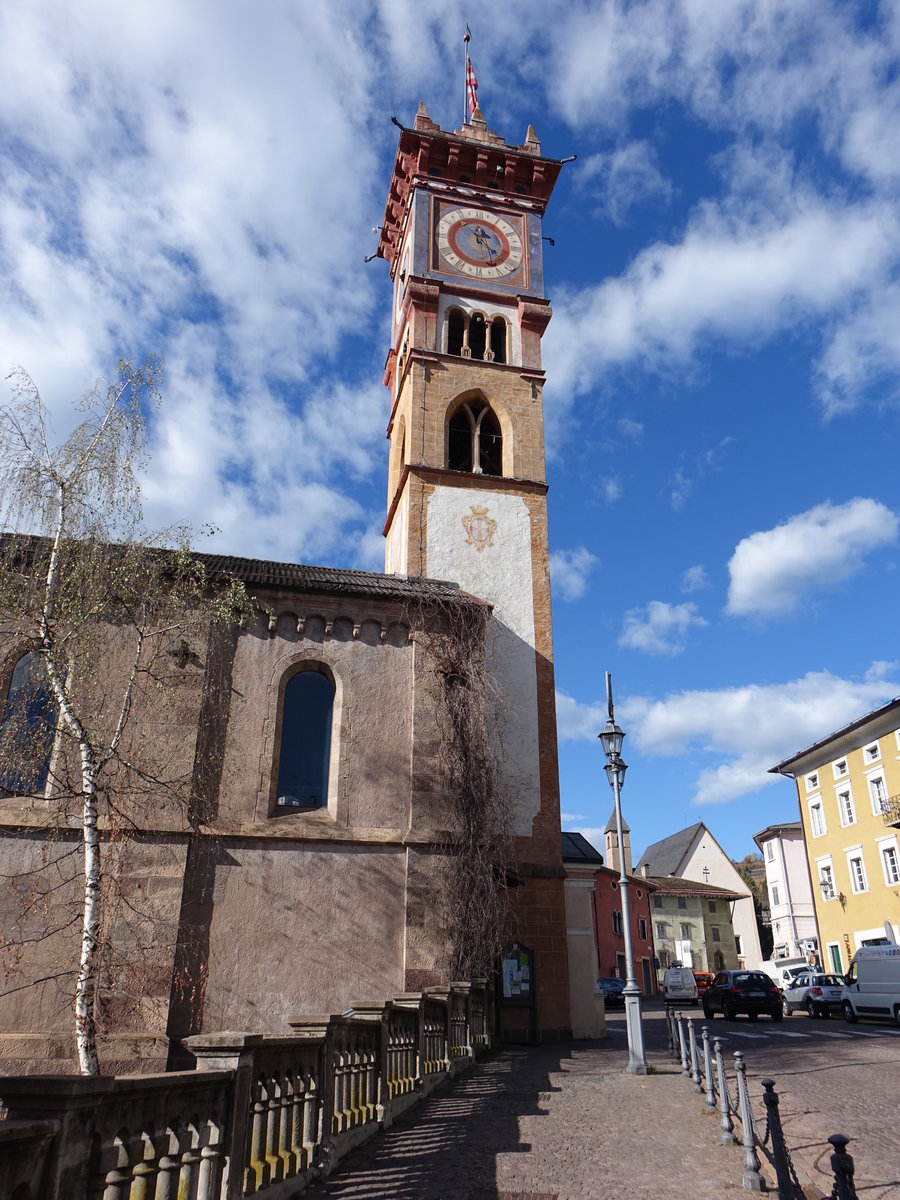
x=201 y=181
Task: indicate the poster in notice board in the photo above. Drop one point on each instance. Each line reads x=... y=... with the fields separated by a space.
x=517 y=975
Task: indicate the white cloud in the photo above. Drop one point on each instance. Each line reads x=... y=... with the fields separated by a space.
x=863 y=351
x=659 y=628
x=728 y=278
x=612 y=490
x=630 y=430
x=694 y=579
x=577 y=722
x=774 y=569
x=569 y=570
x=743 y=730
x=622 y=179
x=751 y=727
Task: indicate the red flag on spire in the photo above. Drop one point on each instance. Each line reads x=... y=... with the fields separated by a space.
x=471 y=81
x=471 y=86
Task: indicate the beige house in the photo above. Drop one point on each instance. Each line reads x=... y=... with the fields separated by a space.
x=692 y=924
x=848 y=792
x=694 y=854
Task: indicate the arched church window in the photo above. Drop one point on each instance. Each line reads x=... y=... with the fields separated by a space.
x=477 y=337
x=27 y=728
x=456 y=328
x=305 y=744
x=498 y=339
x=475 y=442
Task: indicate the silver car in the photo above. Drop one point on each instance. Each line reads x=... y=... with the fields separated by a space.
x=818 y=994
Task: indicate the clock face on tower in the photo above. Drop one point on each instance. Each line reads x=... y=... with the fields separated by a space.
x=477 y=243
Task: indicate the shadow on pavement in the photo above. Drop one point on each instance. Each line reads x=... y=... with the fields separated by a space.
x=446 y=1147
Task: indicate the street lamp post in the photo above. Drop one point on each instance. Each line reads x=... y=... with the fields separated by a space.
x=611 y=738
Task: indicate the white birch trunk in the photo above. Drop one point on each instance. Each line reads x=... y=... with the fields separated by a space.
x=86 y=982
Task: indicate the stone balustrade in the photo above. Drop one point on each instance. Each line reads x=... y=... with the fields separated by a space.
x=259 y=1115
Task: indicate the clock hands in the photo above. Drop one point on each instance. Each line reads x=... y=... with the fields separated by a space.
x=483 y=239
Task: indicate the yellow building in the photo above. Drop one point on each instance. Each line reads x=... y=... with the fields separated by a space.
x=848 y=788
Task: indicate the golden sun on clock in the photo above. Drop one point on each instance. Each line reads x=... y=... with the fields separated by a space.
x=479 y=244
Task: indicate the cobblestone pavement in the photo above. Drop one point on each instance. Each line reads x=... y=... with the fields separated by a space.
x=830 y=1078
x=551 y=1123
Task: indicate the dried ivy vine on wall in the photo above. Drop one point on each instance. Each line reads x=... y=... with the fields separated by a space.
x=455 y=634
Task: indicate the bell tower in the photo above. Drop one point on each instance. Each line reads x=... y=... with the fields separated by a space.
x=467 y=492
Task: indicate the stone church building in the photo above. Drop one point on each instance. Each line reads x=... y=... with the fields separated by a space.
x=310 y=884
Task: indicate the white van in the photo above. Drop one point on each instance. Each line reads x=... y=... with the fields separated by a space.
x=680 y=986
x=872 y=985
x=784 y=970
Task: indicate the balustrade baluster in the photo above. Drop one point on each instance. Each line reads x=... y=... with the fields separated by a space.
x=209 y=1176
x=355 y=1070
x=311 y=1119
x=168 y=1167
x=190 y=1159
x=117 y=1180
x=273 y=1127
x=254 y=1176
x=143 y=1172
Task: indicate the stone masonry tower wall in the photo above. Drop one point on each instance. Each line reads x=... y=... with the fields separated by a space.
x=467 y=492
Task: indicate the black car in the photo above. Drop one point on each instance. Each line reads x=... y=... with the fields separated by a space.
x=750 y=992
x=613 y=990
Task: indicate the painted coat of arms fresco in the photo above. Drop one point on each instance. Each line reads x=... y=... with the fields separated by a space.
x=479 y=527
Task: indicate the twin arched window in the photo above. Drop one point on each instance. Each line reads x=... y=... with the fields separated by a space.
x=475 y=442
x=27 y=728
x=472 y=336
x=305 y=743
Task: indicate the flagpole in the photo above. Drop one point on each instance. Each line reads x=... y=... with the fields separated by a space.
x=466 y=78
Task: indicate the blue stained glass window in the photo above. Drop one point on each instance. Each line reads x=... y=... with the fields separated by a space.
x=305 y=741
x=27 y=728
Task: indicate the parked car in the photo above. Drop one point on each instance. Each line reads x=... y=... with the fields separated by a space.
x=819 y=994
x=679 y=986
x=750 y=992
x=613 y=990
x=703 y=980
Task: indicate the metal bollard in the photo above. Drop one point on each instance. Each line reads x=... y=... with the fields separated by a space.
x=669 y=1030
x=710 y=1085
x=676 y=1047
x=695 y=1058
x=727 y=1138
x=753 y=1181
x=842 y=1166
x=682 y=1042
x=780 y=1158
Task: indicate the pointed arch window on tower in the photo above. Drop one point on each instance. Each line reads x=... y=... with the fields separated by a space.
x=475 y=442
x=474 y=337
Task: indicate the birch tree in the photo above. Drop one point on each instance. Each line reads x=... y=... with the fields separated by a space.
x=106 y=612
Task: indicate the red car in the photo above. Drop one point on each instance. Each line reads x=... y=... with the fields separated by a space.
x=704 y=981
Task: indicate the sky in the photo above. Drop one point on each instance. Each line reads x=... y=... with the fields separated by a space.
x=201 y=181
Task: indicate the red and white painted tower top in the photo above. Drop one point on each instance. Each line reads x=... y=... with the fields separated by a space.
x=473 y=158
